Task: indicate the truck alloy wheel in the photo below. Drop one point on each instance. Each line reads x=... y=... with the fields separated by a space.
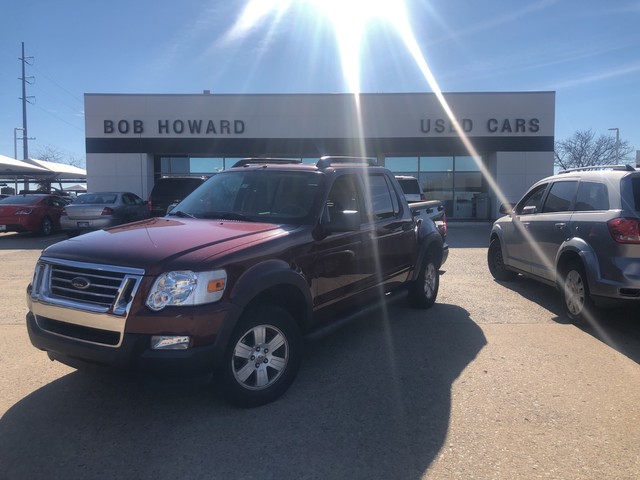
x=263 y=357
x=424 y=290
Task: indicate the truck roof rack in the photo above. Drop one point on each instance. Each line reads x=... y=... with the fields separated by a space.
x=327 y=161
x=264 y=161
x=594 y=168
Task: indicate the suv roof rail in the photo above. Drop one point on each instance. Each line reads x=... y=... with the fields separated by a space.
x=627 y=168
x=327 y=161
x=265 y=160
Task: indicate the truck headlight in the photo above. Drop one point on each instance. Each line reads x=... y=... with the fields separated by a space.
x=186 y=288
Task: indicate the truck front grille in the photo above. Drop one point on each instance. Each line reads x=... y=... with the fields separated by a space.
x=85 y=286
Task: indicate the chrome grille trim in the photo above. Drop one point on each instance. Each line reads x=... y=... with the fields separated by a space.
x=104 y=304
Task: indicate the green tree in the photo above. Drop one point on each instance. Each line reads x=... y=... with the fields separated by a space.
x=584 y=149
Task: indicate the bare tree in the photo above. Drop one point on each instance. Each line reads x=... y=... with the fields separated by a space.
x=583 y=149
x=56 y=155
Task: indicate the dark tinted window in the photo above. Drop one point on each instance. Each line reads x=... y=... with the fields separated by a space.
x=592 y=196
x=345 y=195
x=21 y=199
x=410 y=186
x=635 y=185
x=381 y=197
x=178 y=187
x=533 y=198
x=560 y=197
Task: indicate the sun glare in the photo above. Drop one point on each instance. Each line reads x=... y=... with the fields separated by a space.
x=350 y=20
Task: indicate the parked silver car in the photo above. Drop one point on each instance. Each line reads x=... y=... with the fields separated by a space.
x=94 y=211
x=578 y=230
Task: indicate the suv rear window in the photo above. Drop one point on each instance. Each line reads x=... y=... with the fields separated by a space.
x=635 y=185
x=592 y=196
x=410 y=185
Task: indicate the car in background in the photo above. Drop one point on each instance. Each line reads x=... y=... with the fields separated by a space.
x=411 y=188
x=579 y=231
x=170 y=191
x=98 y=210
x=35 y=213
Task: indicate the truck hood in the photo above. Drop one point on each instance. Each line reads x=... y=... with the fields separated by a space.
x=159 y=243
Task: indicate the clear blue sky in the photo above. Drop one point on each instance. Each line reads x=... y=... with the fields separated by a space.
x=587 y=51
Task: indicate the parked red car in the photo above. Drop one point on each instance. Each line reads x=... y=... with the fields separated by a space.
x=37 y=213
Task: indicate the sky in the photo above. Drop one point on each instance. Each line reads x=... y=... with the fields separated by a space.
x=587 y=51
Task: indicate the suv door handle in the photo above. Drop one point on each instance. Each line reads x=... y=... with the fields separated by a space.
x=560 y=226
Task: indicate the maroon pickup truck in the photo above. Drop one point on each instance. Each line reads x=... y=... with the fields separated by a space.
x=234 y=277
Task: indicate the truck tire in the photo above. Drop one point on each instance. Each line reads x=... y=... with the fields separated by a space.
x=496 y=264
x=263 y=357
x=424 y=289
x=575 y=294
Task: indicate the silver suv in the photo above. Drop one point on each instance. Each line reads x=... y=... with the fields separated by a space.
x=578 y=230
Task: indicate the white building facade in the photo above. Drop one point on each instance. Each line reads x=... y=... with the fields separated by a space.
x=131 y=140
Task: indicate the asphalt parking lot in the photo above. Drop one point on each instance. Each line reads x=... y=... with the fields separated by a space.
x=490 y=383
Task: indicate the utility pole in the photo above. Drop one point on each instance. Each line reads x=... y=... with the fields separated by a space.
x=25 y=137
x=25 y=99
x=617 y=143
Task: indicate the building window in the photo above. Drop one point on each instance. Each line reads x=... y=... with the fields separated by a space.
x=454 y=180
x=402 y=165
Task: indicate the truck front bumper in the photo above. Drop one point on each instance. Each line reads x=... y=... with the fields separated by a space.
x=133 y=354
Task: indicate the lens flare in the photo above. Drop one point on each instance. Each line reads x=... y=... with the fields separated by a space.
x=350 y=20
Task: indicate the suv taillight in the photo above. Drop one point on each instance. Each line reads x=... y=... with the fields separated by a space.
x=149 y=205
x=625 y=230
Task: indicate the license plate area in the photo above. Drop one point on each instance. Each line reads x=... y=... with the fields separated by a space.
x=83 y=224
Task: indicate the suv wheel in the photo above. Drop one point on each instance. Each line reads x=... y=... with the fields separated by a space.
x=575 y=292
x=496 y=263
x=263 y=357
x=424 y=289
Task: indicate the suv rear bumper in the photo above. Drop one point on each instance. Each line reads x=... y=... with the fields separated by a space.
x=133 y=354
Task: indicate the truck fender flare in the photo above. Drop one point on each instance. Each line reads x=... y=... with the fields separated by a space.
x=431 y=243
x=258 y=279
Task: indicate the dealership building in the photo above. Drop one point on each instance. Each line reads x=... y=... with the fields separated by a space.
x=131 y=140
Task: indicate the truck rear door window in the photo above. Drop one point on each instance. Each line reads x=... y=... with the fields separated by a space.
x=384 y=202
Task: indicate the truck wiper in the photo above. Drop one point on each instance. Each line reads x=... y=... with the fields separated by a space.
x=227 y=216
x=180 y=213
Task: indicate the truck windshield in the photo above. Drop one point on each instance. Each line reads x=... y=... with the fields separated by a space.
x=255 y=195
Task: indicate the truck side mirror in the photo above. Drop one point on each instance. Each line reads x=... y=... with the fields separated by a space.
x=344 y=221
x=337 y=222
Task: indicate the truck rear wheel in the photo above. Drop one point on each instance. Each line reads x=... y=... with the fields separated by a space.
x=424 y=289
x=263 y=357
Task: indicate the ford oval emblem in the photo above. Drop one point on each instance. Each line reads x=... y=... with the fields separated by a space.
x=81 y=283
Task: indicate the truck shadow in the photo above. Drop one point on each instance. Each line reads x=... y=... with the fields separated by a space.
x=28 y=241
x=372 y=400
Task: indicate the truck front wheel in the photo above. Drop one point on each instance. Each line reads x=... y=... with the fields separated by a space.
x=424 y=289
x=263 y=357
